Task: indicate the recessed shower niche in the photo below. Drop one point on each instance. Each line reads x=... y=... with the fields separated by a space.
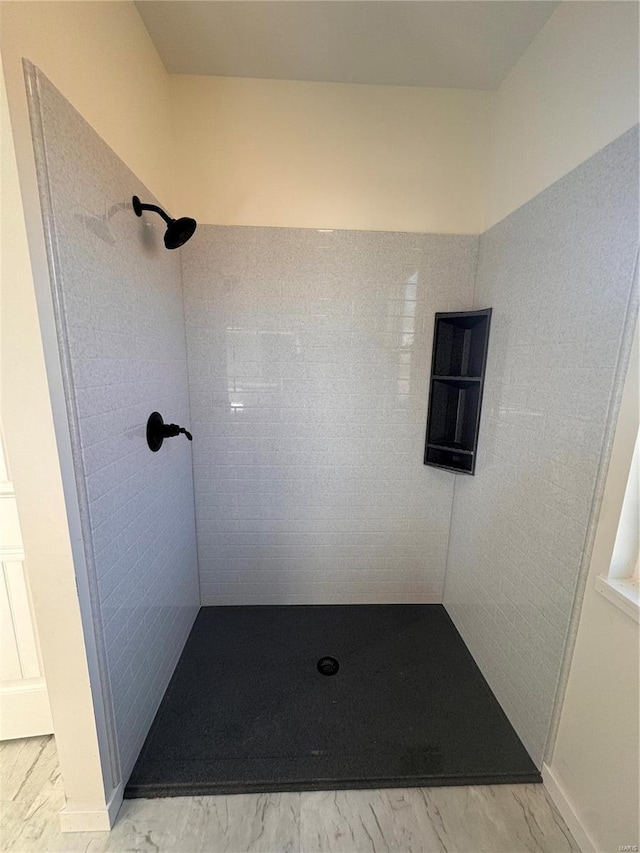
x=458 y=366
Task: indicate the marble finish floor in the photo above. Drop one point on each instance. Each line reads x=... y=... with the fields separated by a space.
x=488 y=819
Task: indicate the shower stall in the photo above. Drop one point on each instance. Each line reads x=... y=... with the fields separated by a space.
x=293 y=600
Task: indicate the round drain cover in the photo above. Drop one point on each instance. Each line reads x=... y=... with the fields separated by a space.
x=328 y=666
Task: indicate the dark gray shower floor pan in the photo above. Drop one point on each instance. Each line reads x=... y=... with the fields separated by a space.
x=248 y=710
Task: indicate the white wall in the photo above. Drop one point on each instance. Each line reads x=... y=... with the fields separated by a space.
x=327 y=155
x=558 y=273
x=574 y=90
x=100 y=56
x=596 y=756
x=308 y=367
x=330 y=155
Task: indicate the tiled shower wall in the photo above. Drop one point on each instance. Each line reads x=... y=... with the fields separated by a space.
x=309 y=358
x=121 y=334
x=558 y=273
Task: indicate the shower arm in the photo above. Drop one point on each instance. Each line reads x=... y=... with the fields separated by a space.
x=139 y=206
x=178 y=230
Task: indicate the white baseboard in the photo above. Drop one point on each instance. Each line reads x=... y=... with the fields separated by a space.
x=567 y=811
x=100 y=819
x=24 y=709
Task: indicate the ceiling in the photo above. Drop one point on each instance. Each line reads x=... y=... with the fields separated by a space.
x=455 y=44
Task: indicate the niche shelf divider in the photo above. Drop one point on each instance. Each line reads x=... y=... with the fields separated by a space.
x=458 y=363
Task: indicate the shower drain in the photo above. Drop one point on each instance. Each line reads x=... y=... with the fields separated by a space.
x=328 y=666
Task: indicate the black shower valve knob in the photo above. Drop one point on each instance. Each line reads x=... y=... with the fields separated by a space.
x=157 y=431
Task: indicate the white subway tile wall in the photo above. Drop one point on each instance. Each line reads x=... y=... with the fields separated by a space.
x=309 y=355
x=123 y=325
x=559 y=275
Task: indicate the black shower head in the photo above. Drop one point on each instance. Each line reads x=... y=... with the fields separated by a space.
x=178 y=230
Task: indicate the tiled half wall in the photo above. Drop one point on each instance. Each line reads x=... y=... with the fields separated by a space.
x=309 y=357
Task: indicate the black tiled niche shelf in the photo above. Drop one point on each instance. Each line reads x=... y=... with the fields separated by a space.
x=458 y=363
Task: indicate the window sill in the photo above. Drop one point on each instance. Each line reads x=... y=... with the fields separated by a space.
x=623 y=592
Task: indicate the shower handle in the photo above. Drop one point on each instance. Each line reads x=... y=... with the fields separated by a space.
x=169 y=430
x=157 y=431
